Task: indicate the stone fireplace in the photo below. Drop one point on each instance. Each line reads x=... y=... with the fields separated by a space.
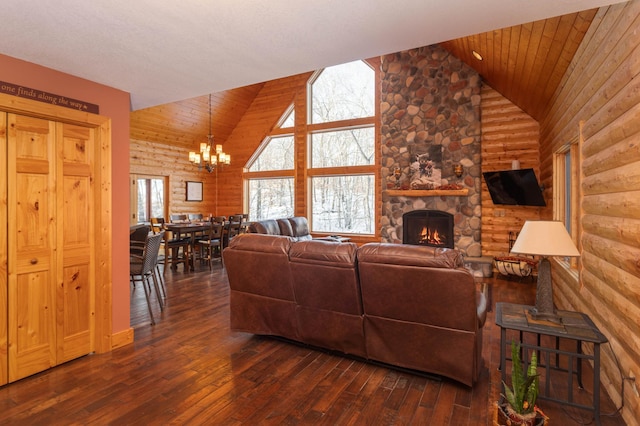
x=430 y=107
x=431 y=228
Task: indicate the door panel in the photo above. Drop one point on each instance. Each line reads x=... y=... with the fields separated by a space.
x=76 y=235
x=4 y=355
x=31 y=242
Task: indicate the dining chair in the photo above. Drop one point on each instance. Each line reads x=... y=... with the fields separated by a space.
x=142 y=268
x=139 y=234
x=198 y=217
x=233 y=230
x=176 y=251
x=179 y=218
x=211 y=247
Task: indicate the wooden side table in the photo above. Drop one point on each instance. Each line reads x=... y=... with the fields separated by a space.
x=573 y=326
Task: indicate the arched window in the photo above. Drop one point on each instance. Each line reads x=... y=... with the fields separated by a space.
x=335 y=169
x=270 y=185
x=342 y=149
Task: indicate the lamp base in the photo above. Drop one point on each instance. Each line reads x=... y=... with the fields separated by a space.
x=541 y=317
x=544 y=309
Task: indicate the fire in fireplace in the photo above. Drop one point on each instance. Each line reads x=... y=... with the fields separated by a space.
x=428 y=227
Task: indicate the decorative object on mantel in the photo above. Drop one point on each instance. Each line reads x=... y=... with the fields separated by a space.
x=457 y=170
x=208 y=157
x=397 y=172
x=544 y=238
x=426 y=170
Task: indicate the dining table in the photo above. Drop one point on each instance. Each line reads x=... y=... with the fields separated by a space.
x=189 y=229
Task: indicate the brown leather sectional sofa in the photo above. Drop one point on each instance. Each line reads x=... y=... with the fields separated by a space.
x=409 y=306
x=296 y=227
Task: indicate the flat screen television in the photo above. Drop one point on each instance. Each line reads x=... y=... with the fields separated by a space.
x=514 y=187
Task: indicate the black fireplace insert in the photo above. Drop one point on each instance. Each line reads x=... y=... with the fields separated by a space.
x=432 y=228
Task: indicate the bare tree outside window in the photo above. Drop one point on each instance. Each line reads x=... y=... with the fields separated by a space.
x=343 y=92
x=270 y=198
x=339 y=157
x=343 y=203
x=150 y=198
x=277 y=154
x=351 y=147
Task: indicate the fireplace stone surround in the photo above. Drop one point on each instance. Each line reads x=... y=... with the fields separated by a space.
x=430 y=97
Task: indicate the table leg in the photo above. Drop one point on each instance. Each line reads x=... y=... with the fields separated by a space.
x=503 y=367
x=579 y=366
x=596 y=382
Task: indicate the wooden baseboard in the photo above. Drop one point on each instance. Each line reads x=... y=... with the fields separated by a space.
x=122 y=338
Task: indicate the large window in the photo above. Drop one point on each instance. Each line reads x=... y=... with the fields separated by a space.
x=342 y=149
x=566 y=189
x=325 y=155
x=150 y=196
x=270 y=198
x=270 y=183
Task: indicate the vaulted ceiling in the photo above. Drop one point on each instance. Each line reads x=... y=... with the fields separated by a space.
x=525 y=63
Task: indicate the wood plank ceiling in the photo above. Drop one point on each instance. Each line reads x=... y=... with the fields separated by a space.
x=525 y=63
x=186 y=123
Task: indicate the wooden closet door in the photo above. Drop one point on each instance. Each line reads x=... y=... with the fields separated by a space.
x=31 y=245
x=4 y=355
x=76 y=230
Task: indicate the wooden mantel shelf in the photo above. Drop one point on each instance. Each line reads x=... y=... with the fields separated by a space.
x=427 y=192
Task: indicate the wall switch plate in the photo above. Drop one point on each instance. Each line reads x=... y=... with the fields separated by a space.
x=632 y=379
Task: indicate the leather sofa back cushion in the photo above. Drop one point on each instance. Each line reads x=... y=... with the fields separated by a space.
x=404 y=283
x=328 y=253
x=410 y=255
x=299 y=226
x=265 y=227
x=259 y=264
x=325 y=276
x=285 y=227
x=261 y=243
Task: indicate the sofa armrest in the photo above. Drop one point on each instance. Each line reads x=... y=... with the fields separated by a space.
x=483 y=304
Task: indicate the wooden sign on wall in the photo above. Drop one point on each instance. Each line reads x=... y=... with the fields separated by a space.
x=46 y=97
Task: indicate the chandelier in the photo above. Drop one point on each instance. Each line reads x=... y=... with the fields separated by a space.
x=209 y=157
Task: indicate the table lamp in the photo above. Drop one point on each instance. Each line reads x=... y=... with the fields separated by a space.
x=544 y=238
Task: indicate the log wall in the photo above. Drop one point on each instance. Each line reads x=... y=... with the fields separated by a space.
x=261 y=117
x=508 y=134
x=161 y=159
x=602 y=89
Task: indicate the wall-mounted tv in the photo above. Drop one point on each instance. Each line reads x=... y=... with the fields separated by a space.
x=514 y=187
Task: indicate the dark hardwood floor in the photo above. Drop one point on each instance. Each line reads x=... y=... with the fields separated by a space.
x=191 y=369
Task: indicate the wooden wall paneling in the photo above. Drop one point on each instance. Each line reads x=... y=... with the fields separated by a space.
x=4 y=289
x=261 y=117
x=185 y=123
x=158 y=159
x=302 y=191
x=601 y=89
x=527 y=62
x=508 y=134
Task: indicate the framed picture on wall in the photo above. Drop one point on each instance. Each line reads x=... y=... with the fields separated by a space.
x=194 y=191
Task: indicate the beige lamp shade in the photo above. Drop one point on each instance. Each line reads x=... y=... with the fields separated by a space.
x=544 y=238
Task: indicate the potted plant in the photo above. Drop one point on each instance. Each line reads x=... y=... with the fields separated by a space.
x=519 y=401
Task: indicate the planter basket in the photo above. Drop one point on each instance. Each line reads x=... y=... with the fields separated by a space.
x=500 y=418
x=519 y=266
